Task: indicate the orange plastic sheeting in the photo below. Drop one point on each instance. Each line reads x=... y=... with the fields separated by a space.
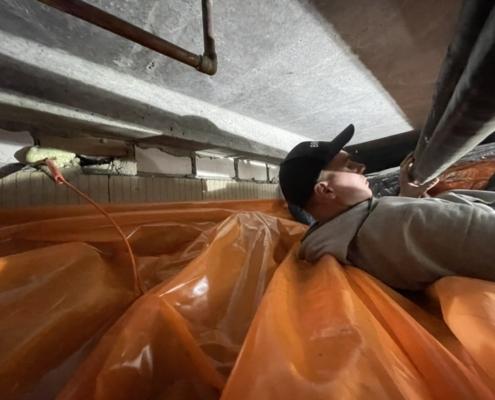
x=229 y=313
x=471 y=175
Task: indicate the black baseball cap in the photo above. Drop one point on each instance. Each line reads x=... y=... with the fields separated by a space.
x=303 y=164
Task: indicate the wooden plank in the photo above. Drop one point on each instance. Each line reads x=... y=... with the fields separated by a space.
x=8 y=191
x=35 y=189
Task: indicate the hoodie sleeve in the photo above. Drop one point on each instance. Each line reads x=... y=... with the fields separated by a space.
x=410 y=243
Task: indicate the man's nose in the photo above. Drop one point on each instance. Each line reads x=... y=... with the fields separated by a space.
x=359 y=168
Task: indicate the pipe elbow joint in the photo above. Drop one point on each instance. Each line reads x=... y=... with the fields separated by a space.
x=208 y=64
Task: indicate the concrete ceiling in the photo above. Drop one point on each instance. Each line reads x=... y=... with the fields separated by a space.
x=288 y=69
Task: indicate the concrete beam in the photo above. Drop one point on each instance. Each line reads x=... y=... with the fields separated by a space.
x=45 y=88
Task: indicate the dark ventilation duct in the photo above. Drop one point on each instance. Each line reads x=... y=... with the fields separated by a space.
x=463 y=112
x=206 y=63
x=384 y=153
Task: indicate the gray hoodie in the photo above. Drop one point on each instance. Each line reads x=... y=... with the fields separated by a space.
x=409 y=243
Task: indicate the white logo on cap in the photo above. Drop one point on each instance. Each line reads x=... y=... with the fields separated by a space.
x=313 y=144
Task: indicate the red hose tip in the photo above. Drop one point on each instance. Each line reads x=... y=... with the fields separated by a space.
x=54 y=171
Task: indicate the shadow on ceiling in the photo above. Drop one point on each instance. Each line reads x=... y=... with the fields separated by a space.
x=402 y=43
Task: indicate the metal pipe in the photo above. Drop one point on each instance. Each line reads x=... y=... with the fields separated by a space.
x=472 y=17
x=110 y=22
x=209 y=57
x=470 y=114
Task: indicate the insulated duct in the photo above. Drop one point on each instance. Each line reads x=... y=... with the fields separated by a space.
x=463 y=113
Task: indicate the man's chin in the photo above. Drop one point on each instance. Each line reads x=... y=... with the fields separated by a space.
x=356 y=201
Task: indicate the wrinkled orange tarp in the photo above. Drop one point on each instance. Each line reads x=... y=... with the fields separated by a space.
x=229 y=313
x=467 y=175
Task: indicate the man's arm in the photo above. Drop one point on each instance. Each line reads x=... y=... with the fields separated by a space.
x=409 y=189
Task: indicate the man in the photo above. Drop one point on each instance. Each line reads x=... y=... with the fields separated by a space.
x=406 y=242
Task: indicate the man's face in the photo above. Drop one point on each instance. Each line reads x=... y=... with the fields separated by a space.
x=344 y=180
x=343 y=162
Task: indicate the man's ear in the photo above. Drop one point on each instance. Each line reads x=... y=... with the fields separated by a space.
x=323 y=189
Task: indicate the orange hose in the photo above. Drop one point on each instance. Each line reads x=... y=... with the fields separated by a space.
x=59 y=179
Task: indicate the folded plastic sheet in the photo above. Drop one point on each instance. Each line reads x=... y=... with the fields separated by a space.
x=469 y=175
x=229 y=313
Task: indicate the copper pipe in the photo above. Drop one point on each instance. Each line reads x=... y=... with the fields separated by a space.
x=206 y=63
x=209 y=56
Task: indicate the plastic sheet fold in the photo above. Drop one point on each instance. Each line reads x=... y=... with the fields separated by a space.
x=229 y=313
